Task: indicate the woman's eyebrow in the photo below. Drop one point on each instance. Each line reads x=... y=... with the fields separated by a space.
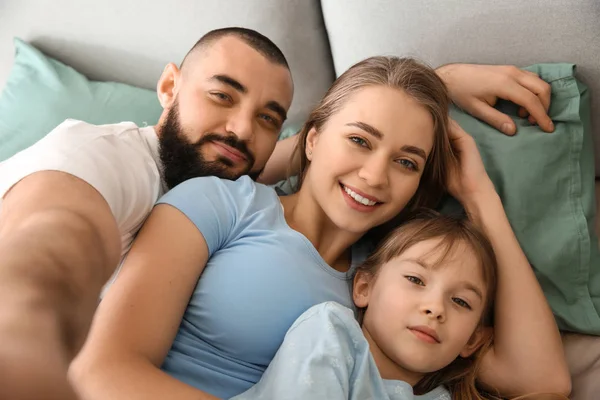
x=376 y=133
x=367 y=128
x=417 y=151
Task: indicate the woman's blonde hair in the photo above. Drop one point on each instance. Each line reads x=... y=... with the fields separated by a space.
x=418 y=81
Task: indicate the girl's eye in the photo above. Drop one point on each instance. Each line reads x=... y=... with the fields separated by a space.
x=415 y=280
x=461 y=303
x=408 y=164
x=359 y=141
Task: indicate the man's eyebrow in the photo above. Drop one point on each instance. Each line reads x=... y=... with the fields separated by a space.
x=227 y=80
x=271 y=105
x=377 y=134
x=278 y=108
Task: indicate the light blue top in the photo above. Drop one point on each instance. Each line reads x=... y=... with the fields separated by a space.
x=260 y=277
x=326 y=356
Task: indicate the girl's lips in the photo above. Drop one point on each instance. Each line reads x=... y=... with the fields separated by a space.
x=425 y=333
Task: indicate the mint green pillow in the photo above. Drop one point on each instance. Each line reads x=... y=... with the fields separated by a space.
x=42 y=92
x=546 y=182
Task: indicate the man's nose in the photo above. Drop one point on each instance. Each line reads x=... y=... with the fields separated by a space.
x=241 y=124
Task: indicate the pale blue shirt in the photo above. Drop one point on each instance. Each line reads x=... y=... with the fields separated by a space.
x=326 y=356
x=260 y=277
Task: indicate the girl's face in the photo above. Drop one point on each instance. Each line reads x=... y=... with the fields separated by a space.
x=367 y=161
x=421 y=313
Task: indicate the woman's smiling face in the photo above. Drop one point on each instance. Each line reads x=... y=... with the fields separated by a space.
x=367 y=161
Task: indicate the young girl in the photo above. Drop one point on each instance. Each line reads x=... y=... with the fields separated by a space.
x=424 y=301
x=222 y=269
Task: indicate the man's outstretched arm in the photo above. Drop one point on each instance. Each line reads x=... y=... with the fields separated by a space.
x=59 y=243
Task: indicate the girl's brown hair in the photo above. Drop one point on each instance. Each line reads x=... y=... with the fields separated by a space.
x=460 y=376
x=417 y=80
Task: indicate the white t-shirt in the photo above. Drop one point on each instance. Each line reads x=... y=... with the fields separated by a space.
x=121 y=161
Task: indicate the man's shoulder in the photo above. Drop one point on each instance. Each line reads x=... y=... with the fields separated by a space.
x=70 y=123
x=122 y=143
x=84 y=130
x=97 y=155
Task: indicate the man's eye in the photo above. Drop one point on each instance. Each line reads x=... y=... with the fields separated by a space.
x=221 y=96
x=269 y=119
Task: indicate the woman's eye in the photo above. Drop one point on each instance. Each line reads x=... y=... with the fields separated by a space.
x=408 y=164
x=415 y=280
x=359 y=141
x=461 y=303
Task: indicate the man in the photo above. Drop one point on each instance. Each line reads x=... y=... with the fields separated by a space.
x=72 y=203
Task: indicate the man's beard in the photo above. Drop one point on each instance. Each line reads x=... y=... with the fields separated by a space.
x=182 y=159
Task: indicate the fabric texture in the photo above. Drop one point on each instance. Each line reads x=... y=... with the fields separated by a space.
x=325 y=356
x=41 y=93
x=261 y=275
x=481 y=32
x=546 y=182
x=120 y=161
x=583 y=358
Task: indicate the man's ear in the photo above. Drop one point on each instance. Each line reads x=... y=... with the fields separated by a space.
x=311 y=141
x=168 y=85
x=478 y=339
x=361 y=289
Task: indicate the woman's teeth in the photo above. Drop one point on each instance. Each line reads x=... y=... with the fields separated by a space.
x=358 y=198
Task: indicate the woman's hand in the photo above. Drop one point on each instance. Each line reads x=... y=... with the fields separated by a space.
x=468 y=177
x=527 y=355
x=477 y=88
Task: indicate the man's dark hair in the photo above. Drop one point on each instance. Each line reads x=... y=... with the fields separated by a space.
x=257 y=41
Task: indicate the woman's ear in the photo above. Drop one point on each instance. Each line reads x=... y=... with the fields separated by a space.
x=311 y=141
x=167 y=86
x=361 y=289
x=478 y=339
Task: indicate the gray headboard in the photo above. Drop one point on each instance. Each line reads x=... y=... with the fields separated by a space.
x=131 y=41
x=477 y=31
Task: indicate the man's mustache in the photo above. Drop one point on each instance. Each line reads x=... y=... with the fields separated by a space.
x=230 y=141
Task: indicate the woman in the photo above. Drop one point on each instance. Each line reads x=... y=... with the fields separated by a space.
x=222 y=269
